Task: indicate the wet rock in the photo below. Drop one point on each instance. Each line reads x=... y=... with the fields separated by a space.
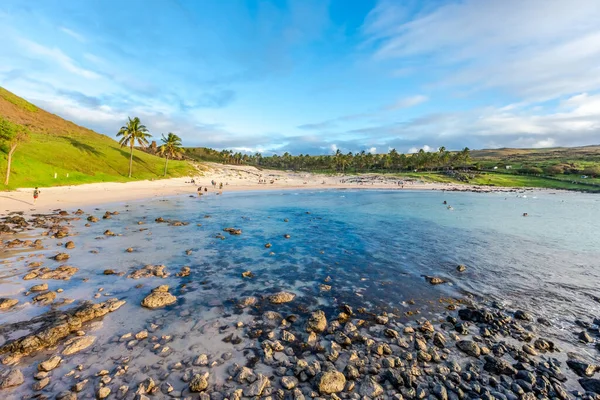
x=103 y=392
x=77 y=344
x=289 y=382
x=247 y=274
x=49 y=364
x=61 y=256
x=11 y=378
x=286 y=236
x=233 y=231
x=91 y=218
x=185 y=271
x=109 y=272
x=585 y=337
x=129 y=249
x=159 y=297
x=149 y=271
x=591 y=385
x=331 y=382
x=39 y=288
x=469 y=347
x=281 y=297
x=317 y=322
x=108 y=232
x=64 y=272
x=41 y=384
x=70 y=245
x=523 y=316
x=582 y=368
x=79 y=386
x=257 y=388
x=498 y=366
x=434 y=280
x=461 y=268
x=45 y=298
x=59 y=327
x=198 y=383
x=201 y=360
x=6 y=304
x=268 y=245
x=247 y=301
x=370 y=388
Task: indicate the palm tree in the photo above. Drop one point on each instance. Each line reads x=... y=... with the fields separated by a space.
x=171 y=147
x=132 y=132
x=11 y=135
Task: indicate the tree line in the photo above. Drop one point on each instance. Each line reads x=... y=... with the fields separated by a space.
x=355 y=162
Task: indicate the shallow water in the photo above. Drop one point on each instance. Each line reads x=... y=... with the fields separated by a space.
x=372 y=247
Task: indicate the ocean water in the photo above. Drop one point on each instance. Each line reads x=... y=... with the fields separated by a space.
x=373 y=248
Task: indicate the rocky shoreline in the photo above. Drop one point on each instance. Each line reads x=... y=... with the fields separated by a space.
x=271 y=345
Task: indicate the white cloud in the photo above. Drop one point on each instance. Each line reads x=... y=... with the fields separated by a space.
x=333 y=148
x=413 y=150
x=373 y=150
x=407 y=102
x=56 y=55
x=73 y=34
x=536 y=49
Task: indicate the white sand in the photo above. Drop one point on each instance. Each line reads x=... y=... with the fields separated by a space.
x=234 y=178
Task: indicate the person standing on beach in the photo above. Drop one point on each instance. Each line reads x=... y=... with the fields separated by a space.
x=36 y=194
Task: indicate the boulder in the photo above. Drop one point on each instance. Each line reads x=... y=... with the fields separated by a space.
x=590 y=385
x=281 y=297
x=331 y=382
x=469 y=347
x=11 y=378
x=5 y=303
x=45 y=298
x=370 y=388
x=49 y=364
x=61 y=257
x=317 y=322
x=198 y=383
x=160 y=297
x=76 y=344
x=39 y=288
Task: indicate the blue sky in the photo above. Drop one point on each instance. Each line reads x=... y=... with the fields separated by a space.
x=314 y=76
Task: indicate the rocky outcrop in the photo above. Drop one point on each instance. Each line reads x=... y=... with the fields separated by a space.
x=160 y=297
x=64 y=272
x=6 y=304
x=76 y=344
x=233 y=231
x=11 y=378
x=281 y=297
x=59 y=326
x=158 y=271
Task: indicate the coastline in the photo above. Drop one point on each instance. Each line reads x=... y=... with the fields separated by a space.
x=234 y=178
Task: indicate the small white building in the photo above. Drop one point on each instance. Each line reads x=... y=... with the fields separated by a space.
x=509 y=167
x=496 y=167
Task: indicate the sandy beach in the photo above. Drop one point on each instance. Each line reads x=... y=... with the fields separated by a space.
x=233 y=177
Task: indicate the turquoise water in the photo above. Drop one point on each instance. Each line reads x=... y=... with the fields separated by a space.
x=372 y=247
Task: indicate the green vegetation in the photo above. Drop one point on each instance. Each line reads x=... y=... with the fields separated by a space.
x=17 y=101
x=75 y=154
x=171 y=147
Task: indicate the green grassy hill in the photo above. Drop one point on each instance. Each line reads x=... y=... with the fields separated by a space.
x=62 y=147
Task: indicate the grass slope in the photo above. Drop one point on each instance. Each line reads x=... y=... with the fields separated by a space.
x=62 y=147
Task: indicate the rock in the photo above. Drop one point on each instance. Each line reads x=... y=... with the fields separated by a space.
x=103 y=392
x=198 y=383
x=45 y=298
x=469 y=347
x=39 y=288
x=439 y=340
x=70 y=245
x=109 y=272
x=61 y=257
x=64 y=272
x=585 y=337
x=11 y=378
x=58 y=327
x=498 y=366
x=185 y=271
x=129 y=249
x=268 y=245
x=160 y=297
x=331 y=382
x=529 y=350
x=76 y=344
x=286 y=236
x=257 y=388
x=108 y=232
x=39 y=385
x=5 y=303
x=289 y=382
x=434 y=280
x=317 y=322
x=590 y=385
x=49 y=364
x=247 y=274
x=233 y=231
x=150 y=271
x=247 y=301
x=582 y=368
x=281 y=297
x=523 y=316
x=201 y=360
x=461 y=268
x=370 y=388
x=79 y=386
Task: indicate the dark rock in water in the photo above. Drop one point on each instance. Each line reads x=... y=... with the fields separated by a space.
x=281 y=297
x=185 y=271
x=523 y=316
x=585 y=337
x=590 y=385
x=6 y=304
x=61 y=257
x=148 y=271
x=45 y=298
x=331 y=382
x=247 y=274
x=109 y=272
x=370 y=388
x=64 y=272
x=317 y=322
x=91 y=218
x=461 y=268
x=286 y=236
x=70 y=245
x=59 y=327
x=498 y=366
x=268 y=245
x=198 y=383
x=11 y=378
x=544 y=321
x=582 y=368
x=469 y=347
x=233 y=231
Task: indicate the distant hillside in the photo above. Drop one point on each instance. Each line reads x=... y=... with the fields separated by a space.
x=62 y=147
x=584 y=153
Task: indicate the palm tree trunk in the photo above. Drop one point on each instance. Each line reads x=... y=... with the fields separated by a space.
x=131 y=160
x=9 y=161
x=166 y=162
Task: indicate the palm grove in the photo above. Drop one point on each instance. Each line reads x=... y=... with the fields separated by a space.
x=134 y=132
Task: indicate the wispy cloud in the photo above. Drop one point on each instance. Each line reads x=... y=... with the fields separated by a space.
x=56 y=55
x=406 y=102
x=73 y=34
